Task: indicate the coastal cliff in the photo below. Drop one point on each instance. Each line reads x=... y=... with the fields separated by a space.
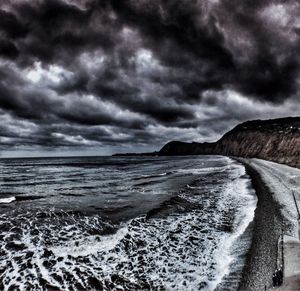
x=275 y=140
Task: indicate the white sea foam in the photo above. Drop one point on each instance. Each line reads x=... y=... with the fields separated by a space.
x=85 y=246
x=205 y=170
x=154 y=175
x=7 y=200
x=189 y=248
x=245 y=214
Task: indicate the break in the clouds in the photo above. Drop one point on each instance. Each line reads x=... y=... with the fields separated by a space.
x=127 y=75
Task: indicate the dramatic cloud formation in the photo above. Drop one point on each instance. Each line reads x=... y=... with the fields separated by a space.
x=126 y=75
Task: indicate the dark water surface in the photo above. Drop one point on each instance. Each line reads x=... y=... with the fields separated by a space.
x=121 y=223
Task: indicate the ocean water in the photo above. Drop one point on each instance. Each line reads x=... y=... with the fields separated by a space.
x=124 y=223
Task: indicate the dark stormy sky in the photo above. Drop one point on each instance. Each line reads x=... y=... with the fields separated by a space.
x=97 y=77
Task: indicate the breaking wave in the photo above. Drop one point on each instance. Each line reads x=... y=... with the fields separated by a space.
x=190 y=240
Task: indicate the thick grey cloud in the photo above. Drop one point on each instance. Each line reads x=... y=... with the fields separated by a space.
x=134 y=74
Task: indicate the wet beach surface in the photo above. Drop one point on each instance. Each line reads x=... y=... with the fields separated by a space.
x=267 y=225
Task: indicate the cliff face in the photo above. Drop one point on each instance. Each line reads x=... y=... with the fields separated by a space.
x=276 y=140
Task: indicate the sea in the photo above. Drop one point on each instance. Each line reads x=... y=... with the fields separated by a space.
x=124 y=223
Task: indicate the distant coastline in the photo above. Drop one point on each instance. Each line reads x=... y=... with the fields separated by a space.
x=136 y=154
x=276 y=140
